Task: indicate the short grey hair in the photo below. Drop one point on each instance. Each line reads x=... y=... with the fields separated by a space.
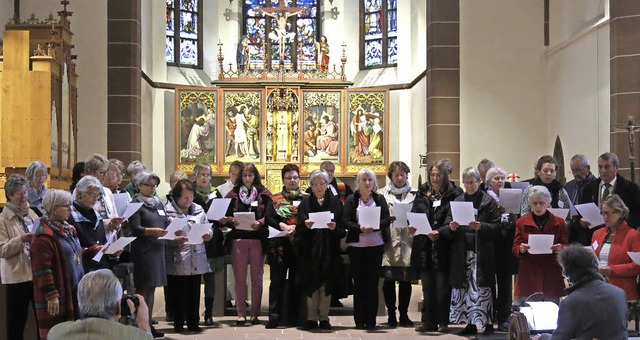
x=144 y=176
x=485 y=163
x=539 y=190
x=99 y=294
x=201 y=166
x=94 y=163
x=176 y=176
x=14 y=184
x=368 y=172
x=492 y=172
x=616 y=204
x=318 y=173
x=610 y=156
x=33 y=169
x=578 y=262
x=86 y=183
x=55 y=198
x=134 y=167
x=582 y=158
x=471 y=172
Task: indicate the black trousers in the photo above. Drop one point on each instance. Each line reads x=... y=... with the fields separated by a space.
x=366 y=264
x=437 y=298
x=185 y=291
x=502 y=300
x=278 y=288
x=19 y=297
x=404 y=296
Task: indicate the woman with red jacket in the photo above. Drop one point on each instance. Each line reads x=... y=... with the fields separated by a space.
x=539 y=272
x=612 y=243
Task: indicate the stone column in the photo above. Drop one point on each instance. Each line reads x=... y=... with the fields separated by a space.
x=124 y=80
x=443 y=82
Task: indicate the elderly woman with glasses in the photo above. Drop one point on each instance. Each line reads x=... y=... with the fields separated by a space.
x=16 y=221
x=37 y=175
x=89 y=225
x=56 y=262
x=147 y=251
x=472 y=267
x=539 y=273
x=282 y=215
x=319 y=250
x=366 y=246
x=248 y=242
x=612 y=243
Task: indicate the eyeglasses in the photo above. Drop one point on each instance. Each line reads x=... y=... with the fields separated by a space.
x=577 y=170
x=469 y=182
x=321 y=184
x=291 y=178
x=204 y=175
x=64 y=206
x=149 y=185
x=92 y=195
x=248 y=175
x=608 y=213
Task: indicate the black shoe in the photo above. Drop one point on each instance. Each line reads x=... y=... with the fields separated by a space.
x=503 y=327
x=443 y=329
x=324 y=324
x=488 y=330
x=169 y=317
x=426 y=327
x=336 y=303
x=208 y=321
x=154 y=322
x=405 y=321
x=255 y=321
x=178 y=329
x=241 y=321
x=469 y=330
x=392 y=321
x=273 y=323
x=370 y=327
x=195 y=329
x=156 y=333
x=360 y=326
x=309 y=325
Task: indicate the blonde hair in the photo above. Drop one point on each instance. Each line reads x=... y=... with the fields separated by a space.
x=368 y=172
x=55 y=198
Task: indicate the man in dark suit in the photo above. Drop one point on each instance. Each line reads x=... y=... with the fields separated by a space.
x=575 y=188
x=611 y=182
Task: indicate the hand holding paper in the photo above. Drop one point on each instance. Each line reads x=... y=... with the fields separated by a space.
x=400 y=211
x=510 y=200
x=369 y=217
x=197 y=232
x=245 y=220
x=176 y=224
x=590 y=213
x=462 y=212
x=218 y=208
x=119 y=244
x=320 y=219
x=420 y=222
x=540 y=243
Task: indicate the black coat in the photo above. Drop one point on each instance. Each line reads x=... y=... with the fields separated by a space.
x=215 y=246
x=628 y=192
x=281 y=249
x=236 y=205
x=350 y=219
x=319 y=249
x=425 y=254
x=489 y=217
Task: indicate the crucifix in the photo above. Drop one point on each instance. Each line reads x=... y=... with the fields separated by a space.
x=631 y=129
x=280 y=34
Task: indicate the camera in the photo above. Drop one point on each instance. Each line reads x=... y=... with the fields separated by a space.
x=124 y=308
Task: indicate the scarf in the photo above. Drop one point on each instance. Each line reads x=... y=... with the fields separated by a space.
x=149 y=201
x=19 y=211
x=283 y=205
x=204 y=192
x=246 y=197
x=398 y=191
x=63 y=229
x=554 y=188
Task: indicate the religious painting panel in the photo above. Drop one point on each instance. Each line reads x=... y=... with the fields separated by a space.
x=367 y=124
x=196 y=127
x=282 y=130
x=242 y=126
x=321 y=124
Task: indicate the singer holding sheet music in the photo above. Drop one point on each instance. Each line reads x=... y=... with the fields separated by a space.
x=248 y=247
x=365 y=246
x=539 y=273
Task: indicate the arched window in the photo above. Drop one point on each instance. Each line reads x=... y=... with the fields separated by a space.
x=378 y=33
x=298 y=52
x=183 y=45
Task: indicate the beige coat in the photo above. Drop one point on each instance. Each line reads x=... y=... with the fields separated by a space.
x=397 y=252
x=15 y=265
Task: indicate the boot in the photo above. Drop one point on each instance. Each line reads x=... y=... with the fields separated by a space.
x=208 y=311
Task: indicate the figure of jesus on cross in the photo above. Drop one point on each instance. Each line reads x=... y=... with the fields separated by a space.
x=282 y=14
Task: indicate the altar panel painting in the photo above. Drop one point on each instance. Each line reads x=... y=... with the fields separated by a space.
x=321 y=124
x=242 y=122
x=196 y=127
x=366 y=121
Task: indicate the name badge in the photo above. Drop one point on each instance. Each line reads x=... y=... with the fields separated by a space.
x=437 y=203
x=161 y=213
x=595 y=245
x=212 y=195
x=296 y=203
x=254 y=203
x=475 y=212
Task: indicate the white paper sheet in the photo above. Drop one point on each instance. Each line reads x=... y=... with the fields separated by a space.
x=400 y=211
x=462 y=212
x=562 y=213
x=98 y=256
x=590 y=213
x=635 y=257
x=420 y=222
x=320 y=219
x=131 y=209
x=273 y=232
x=245 y=220
x=225 y=188
x=511 y=200
x=177 y=224
x=119 y=244
x=121 y=201
x=519 y=185
x=369 y=217
x=218 y=208
x=541 y=316
x=197 y=231
x=540 y=243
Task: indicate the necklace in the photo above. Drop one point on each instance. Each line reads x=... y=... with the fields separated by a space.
x=72 y=244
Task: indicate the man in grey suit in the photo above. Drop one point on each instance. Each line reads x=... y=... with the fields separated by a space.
x=99 y=295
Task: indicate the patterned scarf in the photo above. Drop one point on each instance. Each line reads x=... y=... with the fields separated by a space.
x=246 y=197
x=63 y=229
x=19 y=211
x=283 y=205
x=149 y=201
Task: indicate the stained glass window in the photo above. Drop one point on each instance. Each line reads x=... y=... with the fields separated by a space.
x=263 y=32
x=379 y=32
x=183 y=38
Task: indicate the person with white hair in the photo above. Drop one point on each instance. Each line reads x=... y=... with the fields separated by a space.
x=37 y=175
x=99 y=299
